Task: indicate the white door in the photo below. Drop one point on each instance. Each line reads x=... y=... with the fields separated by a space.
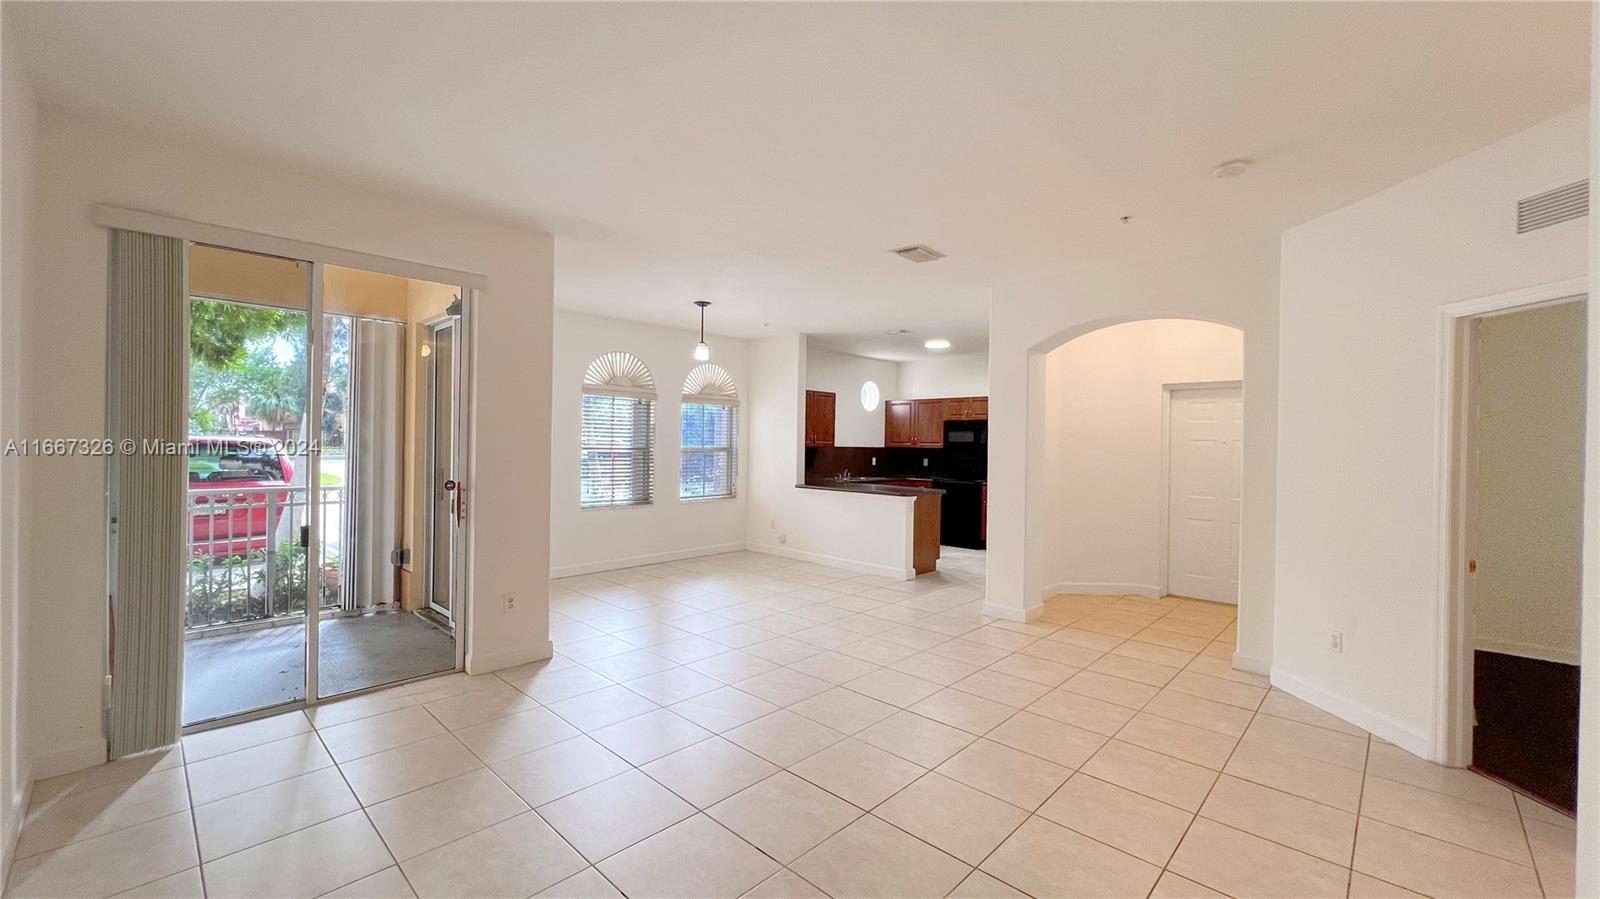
x=1205 y=444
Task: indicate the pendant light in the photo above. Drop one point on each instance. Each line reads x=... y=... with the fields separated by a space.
x=702 y=353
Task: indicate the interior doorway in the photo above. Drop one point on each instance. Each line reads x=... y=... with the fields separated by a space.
x=1205 y=451
x=1521 y=471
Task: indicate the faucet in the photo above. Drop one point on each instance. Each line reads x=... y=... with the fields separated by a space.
x=845 y=476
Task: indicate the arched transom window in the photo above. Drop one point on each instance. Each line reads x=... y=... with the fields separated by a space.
x=710 y=434
x=618 y=434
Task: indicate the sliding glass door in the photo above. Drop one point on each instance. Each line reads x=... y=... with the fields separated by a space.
x=248 y=577
x=323 y=500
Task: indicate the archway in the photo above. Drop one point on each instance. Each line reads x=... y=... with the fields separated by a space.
x=1143 y=431
x=1020 y=576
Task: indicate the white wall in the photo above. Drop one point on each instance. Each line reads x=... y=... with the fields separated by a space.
x=857 y=531
x=584 y=540
x=64 y=389
x=1359 y=482
x=1104 y=411
x=1530 y=482
x=843 y=374
x=19 y=161
x=962 y=374
x=1237 y=287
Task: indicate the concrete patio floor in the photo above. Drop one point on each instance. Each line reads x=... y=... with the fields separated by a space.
x=234 y=673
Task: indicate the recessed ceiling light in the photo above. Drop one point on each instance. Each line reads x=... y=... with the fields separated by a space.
x=938 y=343
x=1233 y=168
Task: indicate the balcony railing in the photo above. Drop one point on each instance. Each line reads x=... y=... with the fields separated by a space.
x=247 y=556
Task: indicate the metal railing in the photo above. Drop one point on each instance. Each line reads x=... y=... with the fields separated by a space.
x=247 y=559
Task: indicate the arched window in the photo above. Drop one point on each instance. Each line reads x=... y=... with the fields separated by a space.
x=710 y=432
x=618 y=436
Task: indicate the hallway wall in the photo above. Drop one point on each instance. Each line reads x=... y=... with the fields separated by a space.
x=1104 y=414
x=1359 y=477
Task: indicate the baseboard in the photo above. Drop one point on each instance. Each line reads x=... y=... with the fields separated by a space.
x=899 y=574
x=1252 y=664
x=1095 y=589
x=1530 y=651
x=84 y=754
x=649 y=559
x=1374 y=722
x=1012 y=613
x=483 y=663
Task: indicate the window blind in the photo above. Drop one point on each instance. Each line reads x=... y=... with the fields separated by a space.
x=710 y=450
x=617 y=451
x=148 y=340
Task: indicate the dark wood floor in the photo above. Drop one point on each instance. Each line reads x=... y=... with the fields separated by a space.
x=1527 y=731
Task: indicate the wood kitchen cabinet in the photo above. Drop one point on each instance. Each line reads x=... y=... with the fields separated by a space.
x=820 y=405
x=920 y=423
x=899 y=423
x=930 y=423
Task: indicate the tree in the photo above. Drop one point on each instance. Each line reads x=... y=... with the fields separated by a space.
x=237 y=365
x=221 y=333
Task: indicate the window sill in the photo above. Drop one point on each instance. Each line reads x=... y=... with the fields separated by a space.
x=706 y=499
x=615 y=507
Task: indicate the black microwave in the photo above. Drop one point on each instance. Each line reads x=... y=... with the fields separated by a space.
x=966 y=434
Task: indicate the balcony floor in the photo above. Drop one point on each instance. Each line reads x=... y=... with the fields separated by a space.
x=234 y=673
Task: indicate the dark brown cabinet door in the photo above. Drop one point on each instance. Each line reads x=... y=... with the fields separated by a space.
x=819 y=418
x=825 y=418
x=930 y=422
x=899 y=425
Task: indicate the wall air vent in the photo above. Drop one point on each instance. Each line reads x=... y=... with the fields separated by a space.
x=1563 y=204
x=918 y=253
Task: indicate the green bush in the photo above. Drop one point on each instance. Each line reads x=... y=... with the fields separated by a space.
x=235 y=589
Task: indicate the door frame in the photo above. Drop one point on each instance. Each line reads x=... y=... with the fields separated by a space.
x=1456 y=484
x=470 y=286
x=1164 y=516
x=432 y=327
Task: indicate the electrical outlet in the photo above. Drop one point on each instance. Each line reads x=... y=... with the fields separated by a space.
x=509 y=600
x=924 y=463
x=773 y=524
x=1336 y=641
x=874 y=461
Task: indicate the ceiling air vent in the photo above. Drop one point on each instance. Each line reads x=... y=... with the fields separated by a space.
x=1563 y=204
x=918 y=253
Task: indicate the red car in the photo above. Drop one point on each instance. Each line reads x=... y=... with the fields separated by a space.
x=232 y=481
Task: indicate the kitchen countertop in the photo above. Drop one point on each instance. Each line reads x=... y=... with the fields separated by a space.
x=876 y=487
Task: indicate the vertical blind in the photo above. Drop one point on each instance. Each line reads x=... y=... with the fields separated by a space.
x=146 y=384
x=710 y=450
x=617 y=450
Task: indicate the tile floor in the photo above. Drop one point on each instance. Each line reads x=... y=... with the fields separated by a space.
x=746 y=725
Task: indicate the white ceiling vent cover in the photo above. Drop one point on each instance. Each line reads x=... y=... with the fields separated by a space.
x=918 y=253
x=1563 y=204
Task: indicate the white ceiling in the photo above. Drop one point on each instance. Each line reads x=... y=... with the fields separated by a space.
x=767 y=157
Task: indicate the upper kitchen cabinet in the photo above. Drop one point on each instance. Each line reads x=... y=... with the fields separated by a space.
x=967 y=408
x=820 y=416
x=900 y=423
x=930 y=422
x=920 y=423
